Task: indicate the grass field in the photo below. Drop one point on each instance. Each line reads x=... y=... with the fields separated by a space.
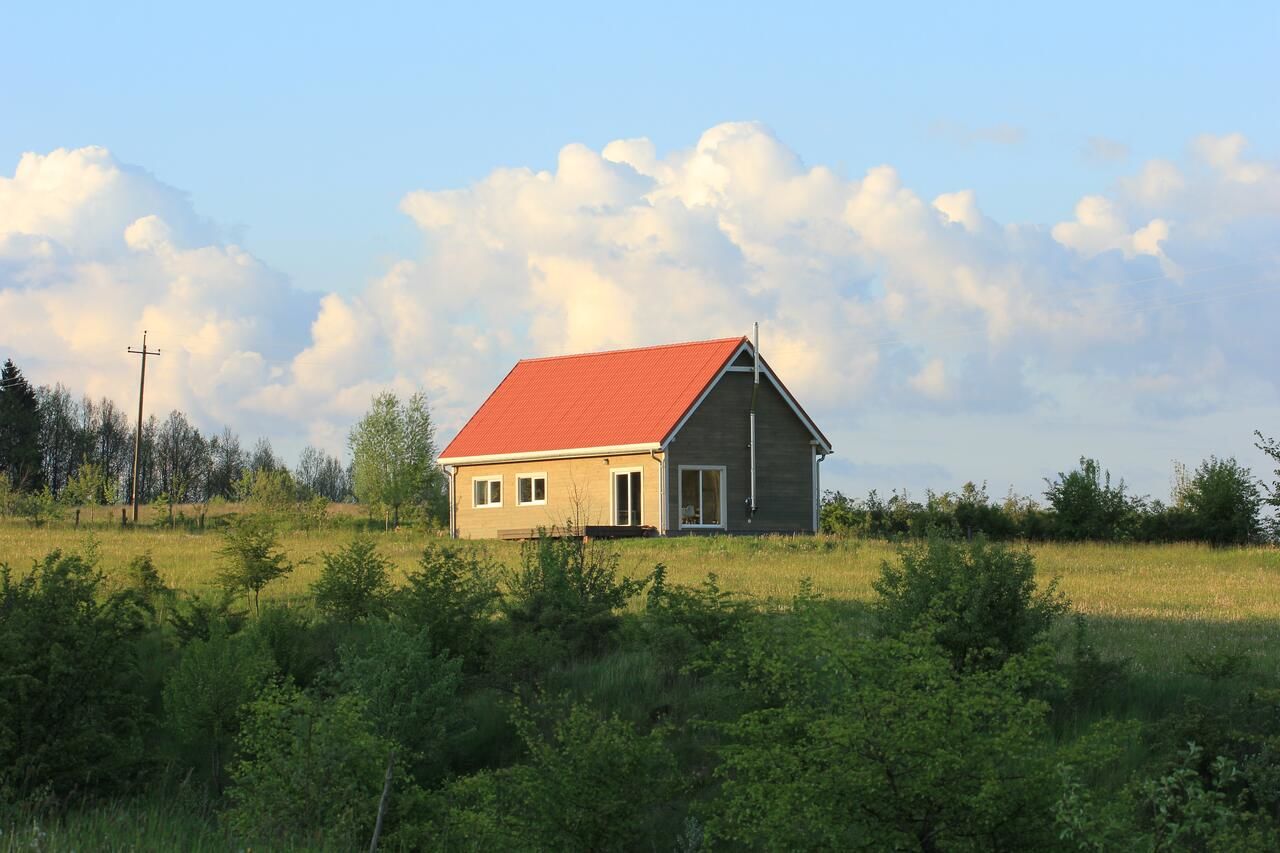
x=1152 y=603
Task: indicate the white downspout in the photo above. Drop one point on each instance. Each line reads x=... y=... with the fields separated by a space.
x=662 y=490
x=452 y=471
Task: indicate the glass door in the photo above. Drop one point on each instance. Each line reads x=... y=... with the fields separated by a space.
x=627 y=498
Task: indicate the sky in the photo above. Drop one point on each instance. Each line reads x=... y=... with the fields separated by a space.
x=981 y=240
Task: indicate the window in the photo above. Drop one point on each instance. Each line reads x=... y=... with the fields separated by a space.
x=702 y=496
x=531 y=489
x=486 y=492
x=628 y=497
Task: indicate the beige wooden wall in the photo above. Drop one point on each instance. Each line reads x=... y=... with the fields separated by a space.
x=578 y=490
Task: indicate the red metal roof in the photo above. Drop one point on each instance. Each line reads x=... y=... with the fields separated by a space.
x=601 y=399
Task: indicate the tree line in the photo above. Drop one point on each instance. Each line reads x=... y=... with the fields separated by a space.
x=1220 y=502
x=57 y=450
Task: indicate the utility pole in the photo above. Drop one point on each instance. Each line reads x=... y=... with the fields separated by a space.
x=137 y=440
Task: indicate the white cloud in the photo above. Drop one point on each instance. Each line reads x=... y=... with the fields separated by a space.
x=871 y=298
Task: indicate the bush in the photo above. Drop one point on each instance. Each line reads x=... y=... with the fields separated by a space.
x=253 y=558
x=979 y=600
x=879 y=744
x=302 y=649
x=195 y=618
x=453 y=595
x=685 y=623
x=565 y=596
x=588 y=785
x=310 y=771
x=410 y=692
x=206 y=691
x=1087 y=506
x=1223 y=500
x=354 y=583
x=70 y=712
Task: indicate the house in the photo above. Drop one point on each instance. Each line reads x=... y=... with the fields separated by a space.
x=649 y=440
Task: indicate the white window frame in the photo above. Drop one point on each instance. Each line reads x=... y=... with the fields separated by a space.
x=489 y=478
x=532 y=475
x=724 y=497
x=613 y=494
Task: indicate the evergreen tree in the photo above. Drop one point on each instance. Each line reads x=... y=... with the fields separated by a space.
x=20 y=451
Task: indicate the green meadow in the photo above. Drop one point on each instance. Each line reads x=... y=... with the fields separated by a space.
x=1152 y=603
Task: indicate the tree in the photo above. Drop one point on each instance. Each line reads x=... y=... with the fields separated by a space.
x=354 y=583
x=59 y=435
x=1223 y=499
x=1087 y=506
x=393 y=452
x=321 y=474
x=71 y=699
x=182 y=460
x=263 y=458
x=1271 y=447
x=20 y=451
x=227 y=463
x=206 y=692
x=253 y=557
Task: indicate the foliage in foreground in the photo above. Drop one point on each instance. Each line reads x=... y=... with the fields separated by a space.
x=703 y=720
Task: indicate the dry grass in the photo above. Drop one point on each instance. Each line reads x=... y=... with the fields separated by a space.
x=1154 y=603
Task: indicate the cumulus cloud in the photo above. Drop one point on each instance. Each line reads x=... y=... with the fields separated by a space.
x=872 y=298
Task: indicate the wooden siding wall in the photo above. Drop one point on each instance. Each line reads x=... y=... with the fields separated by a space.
x=717 y=434
x=577 y=490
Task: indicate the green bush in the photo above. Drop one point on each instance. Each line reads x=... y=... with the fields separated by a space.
x=978 y=599
x=310 y=771
x=1087 y=506
x=880 y=744
x=562 y=601
x=1224 y=503
x=453 y=595
x=354 y=583
x=253 y=558
x=410 y=692
x=685 y=623
x=589 y=784
x=71 y=714
x=206 y=692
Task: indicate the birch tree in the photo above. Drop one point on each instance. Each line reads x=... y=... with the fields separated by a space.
x=393 y=454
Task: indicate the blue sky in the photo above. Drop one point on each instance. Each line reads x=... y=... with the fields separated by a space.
x=302 y=125
x=309 y=176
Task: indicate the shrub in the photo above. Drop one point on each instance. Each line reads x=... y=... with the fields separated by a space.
x=410 y=692
x=195 y=618
x=1223 y=500
x=589 y=784
x=453 y=594
x=1087 y=506
x=565 y=596
x=686 y=622
x=354 y=583
x=310 y=770
x=978 y=599
x=879 y=744
x=204 y=694
x=302 y=649
x=70 y=710
x=253 y=558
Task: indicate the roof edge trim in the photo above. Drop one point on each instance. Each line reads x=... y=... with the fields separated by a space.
x=569 y=453
x=768 y=374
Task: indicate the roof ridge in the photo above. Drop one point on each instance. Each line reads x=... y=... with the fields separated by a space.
x=632 y=349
